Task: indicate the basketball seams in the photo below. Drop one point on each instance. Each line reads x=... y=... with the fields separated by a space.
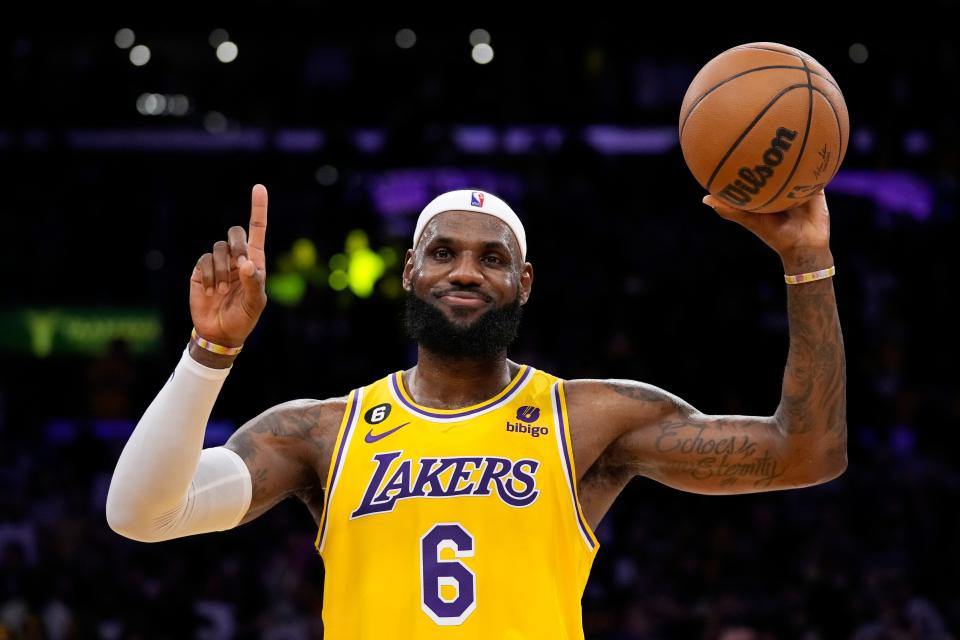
x=803 y=144
x=748 y=71
x=734 y=77
x=749 y=128
x=803 y=58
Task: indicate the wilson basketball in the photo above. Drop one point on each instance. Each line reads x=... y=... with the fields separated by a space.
x=763 y=127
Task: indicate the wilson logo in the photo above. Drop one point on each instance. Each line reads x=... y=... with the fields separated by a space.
x=741 y=191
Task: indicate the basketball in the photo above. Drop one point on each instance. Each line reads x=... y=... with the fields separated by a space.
x=763 y=127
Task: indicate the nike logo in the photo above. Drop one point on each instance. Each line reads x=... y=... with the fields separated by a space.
x=373 y=438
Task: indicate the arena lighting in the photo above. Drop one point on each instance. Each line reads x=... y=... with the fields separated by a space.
x=405 y=38
x=142 y=104
x=299 y=140
x=286 y=288
x=482 y=53
x=858 y=53
x=215 y=122
x=479 y=36
x=218 y=37
x=140 y=55
x=124 y=38
x=178 y=104
x=156 y=104
x=327 y=175
x=227 y=52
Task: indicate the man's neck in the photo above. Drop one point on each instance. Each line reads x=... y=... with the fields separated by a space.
x=445 y=382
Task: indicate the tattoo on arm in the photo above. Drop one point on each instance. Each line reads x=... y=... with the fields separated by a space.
x=276 y=445
x=813 y=406
x=720 y=451
x=687 y=449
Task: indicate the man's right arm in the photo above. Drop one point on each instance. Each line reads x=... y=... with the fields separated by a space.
x=166 y=486
x=287 y=450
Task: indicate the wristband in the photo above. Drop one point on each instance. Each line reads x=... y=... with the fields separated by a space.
x=802 y=278
x=203 y=343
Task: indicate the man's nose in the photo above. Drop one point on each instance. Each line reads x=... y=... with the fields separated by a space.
x=465 y=271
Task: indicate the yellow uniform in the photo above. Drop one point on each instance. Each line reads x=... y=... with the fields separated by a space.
x=457 y=523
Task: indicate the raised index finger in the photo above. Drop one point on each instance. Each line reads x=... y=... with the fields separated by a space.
x=258 y=226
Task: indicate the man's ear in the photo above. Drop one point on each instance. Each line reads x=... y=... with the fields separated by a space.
x=408 y=270
x=526 y=282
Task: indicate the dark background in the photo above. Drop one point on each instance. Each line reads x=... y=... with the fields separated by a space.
x=105 y=209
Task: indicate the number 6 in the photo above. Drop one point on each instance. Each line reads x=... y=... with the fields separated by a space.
x=436 y=573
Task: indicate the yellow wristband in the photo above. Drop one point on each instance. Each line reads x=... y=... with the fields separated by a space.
x=203 y=343
x=802 y=278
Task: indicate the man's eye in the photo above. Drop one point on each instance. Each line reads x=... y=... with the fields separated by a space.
x=492 y=259
x=441 y=254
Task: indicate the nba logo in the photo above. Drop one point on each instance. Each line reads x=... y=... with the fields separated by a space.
x=476 y=199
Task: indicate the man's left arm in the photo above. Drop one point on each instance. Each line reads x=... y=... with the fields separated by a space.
x=639 y=429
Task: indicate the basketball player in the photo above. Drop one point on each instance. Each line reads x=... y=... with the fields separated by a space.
x=458 y=498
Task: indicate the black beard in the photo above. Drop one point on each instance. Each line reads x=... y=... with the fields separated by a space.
x=488 y=336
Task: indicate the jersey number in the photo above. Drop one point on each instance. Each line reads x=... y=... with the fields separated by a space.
x=435 y=574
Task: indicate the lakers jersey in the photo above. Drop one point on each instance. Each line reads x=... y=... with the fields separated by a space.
x=457 y=523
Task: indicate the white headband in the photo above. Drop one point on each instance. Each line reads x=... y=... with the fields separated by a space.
x=479 y=201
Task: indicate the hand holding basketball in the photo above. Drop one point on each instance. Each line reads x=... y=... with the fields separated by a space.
x=228 y=286
x=763 y=127
x=801 y=231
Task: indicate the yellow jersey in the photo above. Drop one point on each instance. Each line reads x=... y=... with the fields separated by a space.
x=461 y=523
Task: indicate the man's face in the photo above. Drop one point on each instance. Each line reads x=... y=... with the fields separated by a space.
x=466 y=282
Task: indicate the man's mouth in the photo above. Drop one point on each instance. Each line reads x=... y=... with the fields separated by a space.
x=464 y=298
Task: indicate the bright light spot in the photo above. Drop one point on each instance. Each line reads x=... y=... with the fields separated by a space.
x=124 y=38
x=142 y=104
x=405 y=38
x=356 y=240
x=227 y=51
x=482 y=53
x=338 y=280
x=327 y=175
x=140 y=55
x=858 y=53
x=215 y=122
x=304 y=253
x=286 y=288
x=479 y=36
x=366 y=267
x=154 y=260
x=154 y=104
x=218 y=37
x=178 y=105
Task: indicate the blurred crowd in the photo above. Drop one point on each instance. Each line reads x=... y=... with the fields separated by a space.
x=634 y=279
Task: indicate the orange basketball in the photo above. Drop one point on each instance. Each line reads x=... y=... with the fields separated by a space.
x=763 y=127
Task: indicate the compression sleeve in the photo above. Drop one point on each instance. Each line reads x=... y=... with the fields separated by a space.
x=165 y=484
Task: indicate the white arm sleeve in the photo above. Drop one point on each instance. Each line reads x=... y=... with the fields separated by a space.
x=165 y=484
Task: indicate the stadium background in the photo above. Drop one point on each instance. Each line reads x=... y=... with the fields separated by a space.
x=119 y=176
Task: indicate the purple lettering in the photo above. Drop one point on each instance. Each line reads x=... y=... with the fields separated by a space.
x=460 y=473
x=529 y=493
x=496 y=468
x=367 y=505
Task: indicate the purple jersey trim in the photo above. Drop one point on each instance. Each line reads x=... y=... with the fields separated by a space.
x=558 y=411
x=486 y=406
x=344 y=442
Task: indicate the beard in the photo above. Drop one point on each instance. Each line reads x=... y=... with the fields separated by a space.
x=486 y=337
